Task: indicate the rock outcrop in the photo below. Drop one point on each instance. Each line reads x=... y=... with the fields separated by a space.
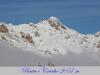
x=3 y=29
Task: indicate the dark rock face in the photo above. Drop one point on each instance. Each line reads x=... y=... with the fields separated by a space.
x=3 y=29
x=54 y=24
x=98 y=45
x=63 y=27
x=26 y=37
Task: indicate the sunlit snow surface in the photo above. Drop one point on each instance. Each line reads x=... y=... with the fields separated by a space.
x=48 y=41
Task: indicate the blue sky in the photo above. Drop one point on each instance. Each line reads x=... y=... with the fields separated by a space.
x=82 y=15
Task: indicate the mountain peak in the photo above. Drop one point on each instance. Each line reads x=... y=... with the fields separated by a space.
x=55 y=23
x=49 y=37
x=53 y=18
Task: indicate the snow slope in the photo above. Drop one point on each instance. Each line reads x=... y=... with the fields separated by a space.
x=49 y=38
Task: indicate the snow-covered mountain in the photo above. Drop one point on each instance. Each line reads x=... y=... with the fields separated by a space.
x=49 y=38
